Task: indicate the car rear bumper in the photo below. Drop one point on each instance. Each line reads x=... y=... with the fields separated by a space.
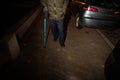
x=91 y=22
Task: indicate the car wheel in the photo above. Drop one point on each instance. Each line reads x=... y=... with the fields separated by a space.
x=77 y=24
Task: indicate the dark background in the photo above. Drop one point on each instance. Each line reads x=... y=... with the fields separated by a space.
x=13 y=10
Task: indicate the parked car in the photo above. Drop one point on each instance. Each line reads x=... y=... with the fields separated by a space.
x=96 y=13
x=112 y=64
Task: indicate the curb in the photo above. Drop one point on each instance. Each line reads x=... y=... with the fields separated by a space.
x=10 y=42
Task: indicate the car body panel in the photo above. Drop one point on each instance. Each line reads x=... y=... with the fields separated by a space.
x=112 y=64
x=96 y=15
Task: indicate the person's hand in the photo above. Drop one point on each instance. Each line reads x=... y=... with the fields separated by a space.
x=46 y=14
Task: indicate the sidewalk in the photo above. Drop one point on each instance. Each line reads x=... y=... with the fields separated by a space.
x=82 y=59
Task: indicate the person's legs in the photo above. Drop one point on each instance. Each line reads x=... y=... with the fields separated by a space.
x=61 y=32
x=54 y=29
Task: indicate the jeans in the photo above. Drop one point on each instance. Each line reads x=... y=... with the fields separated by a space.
x=57 y=30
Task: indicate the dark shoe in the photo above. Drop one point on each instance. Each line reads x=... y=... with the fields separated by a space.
x=62 y=45
x=55 y=40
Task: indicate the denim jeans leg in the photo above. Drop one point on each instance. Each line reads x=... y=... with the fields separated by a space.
x=54 y=28
x=61 y=31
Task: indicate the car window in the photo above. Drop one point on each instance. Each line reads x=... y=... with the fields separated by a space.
x=105 y=3
x=116 y=3
x=83 y=0
x=80 y=0
x=112 y=3
x=100 y=3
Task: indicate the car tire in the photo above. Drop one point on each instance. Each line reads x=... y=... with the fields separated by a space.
x=77 y=22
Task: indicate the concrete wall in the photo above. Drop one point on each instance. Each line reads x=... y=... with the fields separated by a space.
x=9 y=44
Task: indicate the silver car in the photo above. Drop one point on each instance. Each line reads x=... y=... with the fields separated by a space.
x=96 y=13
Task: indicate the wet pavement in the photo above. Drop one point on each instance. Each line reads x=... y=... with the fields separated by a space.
x=82 y=58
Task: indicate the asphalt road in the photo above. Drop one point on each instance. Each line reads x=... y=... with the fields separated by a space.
x=83 y=57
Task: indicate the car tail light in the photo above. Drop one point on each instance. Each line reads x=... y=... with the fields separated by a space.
x=116 y=12
x=90 y=9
